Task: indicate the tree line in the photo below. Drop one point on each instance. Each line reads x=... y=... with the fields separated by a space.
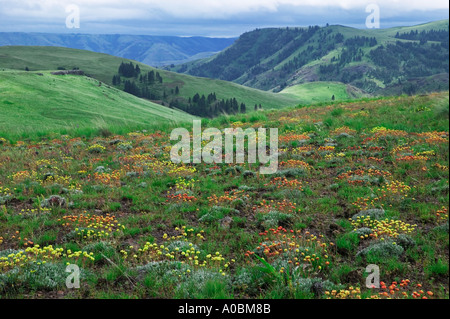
x=424 y=36
x=209 y=105
x=149 y=85
x=137 y=83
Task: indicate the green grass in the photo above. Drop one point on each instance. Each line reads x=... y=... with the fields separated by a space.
x=316 y=92
x=103 y=67
x=32 y=103
x=123 y=265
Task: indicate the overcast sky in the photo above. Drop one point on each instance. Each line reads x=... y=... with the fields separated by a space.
x=220 y=18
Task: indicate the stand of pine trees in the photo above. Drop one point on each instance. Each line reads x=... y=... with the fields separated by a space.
x=137 y=83
x=210 y=106
x=149 y=86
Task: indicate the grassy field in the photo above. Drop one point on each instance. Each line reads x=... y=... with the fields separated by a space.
x=32 y=103
x=102 y=67
x=316 y=92
x=359 y=182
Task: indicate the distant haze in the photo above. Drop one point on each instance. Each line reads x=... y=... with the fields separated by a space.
x=151 y=50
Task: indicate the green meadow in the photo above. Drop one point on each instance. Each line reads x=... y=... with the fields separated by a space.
x=32 y=102
x=361 y=182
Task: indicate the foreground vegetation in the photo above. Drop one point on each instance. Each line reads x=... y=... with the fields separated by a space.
x=359 y=183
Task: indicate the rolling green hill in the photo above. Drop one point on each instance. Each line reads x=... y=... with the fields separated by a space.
x=38 y=102
x=323 y=91
x=103 y=67
x=148 y=49
x=373 y=60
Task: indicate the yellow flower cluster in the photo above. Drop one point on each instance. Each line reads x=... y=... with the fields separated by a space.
x=329 y=157
x=170 y=168
x=183 y=184
x=395 y=187
x=426 y=153
x=401 y=149
x=137 y=158
x=96 y=148
x=79 y=253
x=287 y=119
x=38 y=254
x=293 y=163
x=343 y=129
x=5 y=191
x=394 y=190
x=434 y=137
x=57 y=179
x=125 y=144
x=135 y=134
x=301 y=248
x=350 y=293
x=387 y=227
x=441 y=167
x=237 y=124
x=182 y=170
x=93 y=227
x=73 y=187
x=382 y=131
x=33 y=211
x=111 y=179
x=23 y=175
x=302 y=149
x=326 y=148
x=186 y=255
x=48 y=163
x=442 y=214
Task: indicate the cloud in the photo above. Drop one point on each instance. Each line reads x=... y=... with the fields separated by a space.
x=104 y=10
x=181 y=16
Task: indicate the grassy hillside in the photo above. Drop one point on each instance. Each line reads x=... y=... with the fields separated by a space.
x=370 y=59
x=313 y=92
x=31 y=103
x=103 y=67
x=433 y=25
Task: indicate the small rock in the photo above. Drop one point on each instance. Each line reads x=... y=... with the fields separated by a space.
x=226 y=222
x=114 y=142
x=132 y=174
x=249 y=174
x=47 y=176
x=317 y=289
x=100 y=169
x=344 y=135
x=53 y=201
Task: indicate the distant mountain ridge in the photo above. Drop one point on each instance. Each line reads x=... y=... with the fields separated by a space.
x=151 y=50
x=379 y=61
